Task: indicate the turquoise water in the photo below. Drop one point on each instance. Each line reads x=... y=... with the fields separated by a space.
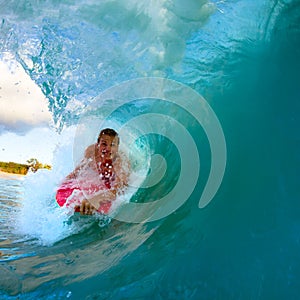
x=243 y=57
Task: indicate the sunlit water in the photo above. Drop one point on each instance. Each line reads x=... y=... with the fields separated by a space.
x=243 y=57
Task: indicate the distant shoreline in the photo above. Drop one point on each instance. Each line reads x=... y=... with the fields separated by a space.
x=7 y=175
x=16 y=169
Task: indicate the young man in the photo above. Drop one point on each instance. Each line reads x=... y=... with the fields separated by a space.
x=99 y=177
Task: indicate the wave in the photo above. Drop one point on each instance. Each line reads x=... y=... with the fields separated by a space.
x=76 y=50
x=242 y=57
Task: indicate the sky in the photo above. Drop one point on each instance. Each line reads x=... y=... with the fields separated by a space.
x=25 y=121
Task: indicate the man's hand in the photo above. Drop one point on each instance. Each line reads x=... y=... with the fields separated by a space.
x=86 y=208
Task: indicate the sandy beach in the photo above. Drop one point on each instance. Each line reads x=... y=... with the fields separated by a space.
x=6 y=175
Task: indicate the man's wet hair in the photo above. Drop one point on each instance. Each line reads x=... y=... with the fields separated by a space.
x=109 y=132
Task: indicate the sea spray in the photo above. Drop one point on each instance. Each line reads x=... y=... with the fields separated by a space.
x=40 y=217
x=77 y=49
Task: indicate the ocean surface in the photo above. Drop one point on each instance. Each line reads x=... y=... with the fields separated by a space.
x=206 y=98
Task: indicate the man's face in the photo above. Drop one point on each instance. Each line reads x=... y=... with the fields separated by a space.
x=108 y=146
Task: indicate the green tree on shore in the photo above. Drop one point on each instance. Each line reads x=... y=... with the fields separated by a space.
x=32 y=164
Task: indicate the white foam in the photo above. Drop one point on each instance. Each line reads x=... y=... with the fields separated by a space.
x=40 y=217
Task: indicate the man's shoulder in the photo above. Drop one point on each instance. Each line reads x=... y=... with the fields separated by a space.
x=90 y=151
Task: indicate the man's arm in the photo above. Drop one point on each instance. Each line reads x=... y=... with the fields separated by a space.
x=102 y=196
x=122 y=168
x=89 y=153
